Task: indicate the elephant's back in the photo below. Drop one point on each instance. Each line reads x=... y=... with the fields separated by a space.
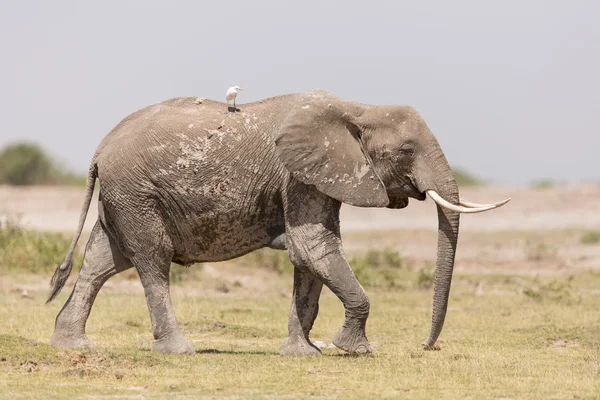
x=184 y=125
x=193 y=116
x=167 y=117
x=181 y=140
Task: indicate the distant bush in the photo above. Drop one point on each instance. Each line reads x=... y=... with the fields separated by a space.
x=540 y=251
x=553 y=290
x=543 y=184
x=377 y=267
x=426 y=278
x=465 y=178
x=180 y=274
x=274 y=260
x=592 y=237
x=23 y=250
x=28 y=164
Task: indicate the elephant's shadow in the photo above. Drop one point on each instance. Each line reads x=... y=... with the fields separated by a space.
x=272 y=353
x=217 y=351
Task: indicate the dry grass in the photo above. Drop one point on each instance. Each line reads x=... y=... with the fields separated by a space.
x=499 y=342
x=523 y=323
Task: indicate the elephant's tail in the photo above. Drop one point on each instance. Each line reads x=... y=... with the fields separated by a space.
x=62 y=272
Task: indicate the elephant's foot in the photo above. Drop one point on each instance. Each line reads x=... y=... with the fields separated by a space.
x=434 y=346
x=352 y=340
x=298 y=347
x=70 y=341
x=173 y=344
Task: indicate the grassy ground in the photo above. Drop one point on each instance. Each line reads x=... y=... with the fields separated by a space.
x=506 y=336
x=523 y=323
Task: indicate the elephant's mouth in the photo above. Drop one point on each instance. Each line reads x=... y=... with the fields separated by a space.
x=416 y=194
x=421 y=196
x=398 y=202
x=399 y=193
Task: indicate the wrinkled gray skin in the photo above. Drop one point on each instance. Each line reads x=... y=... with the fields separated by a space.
x=188 y=182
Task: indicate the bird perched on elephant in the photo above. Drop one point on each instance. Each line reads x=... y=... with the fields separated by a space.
x=231 y=94
x=189 y=182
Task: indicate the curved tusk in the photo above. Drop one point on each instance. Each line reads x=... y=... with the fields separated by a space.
x=479 y=205
x=465 y=210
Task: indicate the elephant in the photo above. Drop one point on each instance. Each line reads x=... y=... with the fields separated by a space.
x=186 y=182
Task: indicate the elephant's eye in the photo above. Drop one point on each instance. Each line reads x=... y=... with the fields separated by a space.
x=407 y=150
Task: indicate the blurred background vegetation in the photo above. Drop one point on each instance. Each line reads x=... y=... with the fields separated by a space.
x=27 y=250
x=26 y=163
x=465 y=178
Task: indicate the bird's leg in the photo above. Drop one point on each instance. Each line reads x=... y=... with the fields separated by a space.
x=234 y=109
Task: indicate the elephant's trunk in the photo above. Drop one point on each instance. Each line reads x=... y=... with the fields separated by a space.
x=448 y=222
x=443 y=182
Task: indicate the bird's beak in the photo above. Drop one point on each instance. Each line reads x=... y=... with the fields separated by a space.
x=240 y=88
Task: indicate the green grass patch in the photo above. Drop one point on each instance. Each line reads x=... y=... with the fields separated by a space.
x=378 y=268
x=180 y=274
x=24 y=250
x=272 y=260
x=591 y=237
x=557 y=290
x=426 y=278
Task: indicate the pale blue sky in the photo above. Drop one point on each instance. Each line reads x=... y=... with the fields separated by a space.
x=511 y=88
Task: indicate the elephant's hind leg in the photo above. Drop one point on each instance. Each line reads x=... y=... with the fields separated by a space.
x=153 y=263
x=101 y=261
x=305 y=307
x=155 y=279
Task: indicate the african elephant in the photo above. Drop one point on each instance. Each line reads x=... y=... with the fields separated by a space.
x=187 y=181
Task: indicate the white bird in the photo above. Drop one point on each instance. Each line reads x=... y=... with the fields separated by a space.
x=232 y=94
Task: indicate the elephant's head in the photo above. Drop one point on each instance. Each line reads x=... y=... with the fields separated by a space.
x=377 y=156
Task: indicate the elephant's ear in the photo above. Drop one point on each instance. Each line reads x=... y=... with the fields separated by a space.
x=320 y=145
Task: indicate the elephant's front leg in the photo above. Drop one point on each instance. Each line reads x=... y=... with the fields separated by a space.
x=313 y=241
x=305 y=306
x=331 y=268
x=335 y=272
